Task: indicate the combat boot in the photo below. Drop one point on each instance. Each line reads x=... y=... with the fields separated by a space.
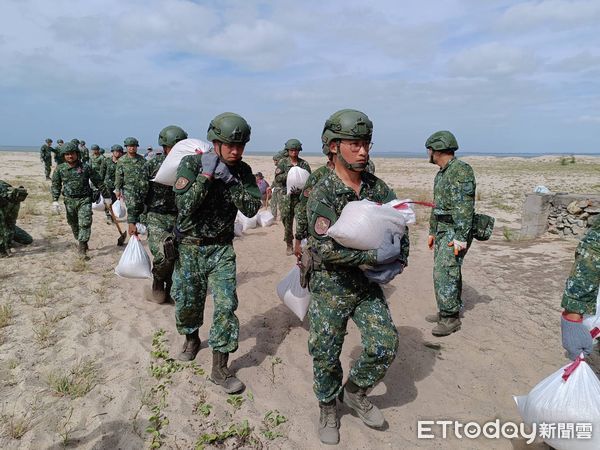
x=4 y=253
x=355 y=398
x=167 y=297
x=220 y=374
x=329 y=424
x=82 y=250
x=432 y=318
x=157 y=294
x=446 y=326
x=191 y=347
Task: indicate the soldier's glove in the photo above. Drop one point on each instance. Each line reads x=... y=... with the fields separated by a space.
x=459 y=246
x=576 y=338
x=295 y=191
x=223 y=173
x=384 y=273
x=430 y=241
x=55 y=207
x=389 y=250
x=108 y=202
x=210 y=161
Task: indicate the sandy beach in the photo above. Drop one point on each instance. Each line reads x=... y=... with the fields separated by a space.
x=76 y=367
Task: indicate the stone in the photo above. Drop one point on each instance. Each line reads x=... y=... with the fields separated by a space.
x=560 y=226
x=593 y=219
x=574 y=208
x=553 y=231
x=593 y=209
x=584 y=216
x=584 y=203
x=570 y=219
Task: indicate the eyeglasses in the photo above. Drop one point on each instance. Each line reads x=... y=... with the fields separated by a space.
x=355 y=146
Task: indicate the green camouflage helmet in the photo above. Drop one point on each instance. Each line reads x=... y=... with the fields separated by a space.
x=293 y=144
x=68 y=148
x=441 y=141
x=116 y=148
x=229 y=128
x=82 y=142
x=131 y=141
x=102 y=151
x=95 y=147
x=75 y=141
x=48 y=141
x=171 y=135
x=60 y=141
x=347 y=124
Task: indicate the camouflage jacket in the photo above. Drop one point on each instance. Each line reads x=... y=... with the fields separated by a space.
x=158 y=198
x=109 y=173
x=207 y=208
x=325 y=204
x=284 y=166
x=370 y=167
x=58 y=159
x=277 y=158
x=46 y=152
x=302 y=218
x=129 y=175
x=85 y=153
x=98 y=164
x=454 y=198
x=75 y=181
x=4 y=193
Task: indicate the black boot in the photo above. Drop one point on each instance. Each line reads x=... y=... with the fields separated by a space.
x=220 y=374
x=157 y=294
x=191 y=347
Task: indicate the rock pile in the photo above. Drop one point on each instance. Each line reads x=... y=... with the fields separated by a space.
x=573 y=219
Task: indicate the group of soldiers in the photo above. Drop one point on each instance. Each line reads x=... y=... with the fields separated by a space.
x=191 y=229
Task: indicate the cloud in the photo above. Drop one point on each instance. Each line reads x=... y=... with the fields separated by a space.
x=554 y=13
x=492 y=60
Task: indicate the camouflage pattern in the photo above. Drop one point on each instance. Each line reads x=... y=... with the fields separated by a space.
x=131 y=182
x=301 y=217
x=206 y=211
x=277 y=190
x=451 y=219
x=9 y=211
x=110 y=173
x=370 y=167
x=289 y=202
x=74 y=182
x=98 y=163
x=159 y=227
x=85 y=153
x=58 y=158
x=340 y=290
x=581 y=289
x=46 y=157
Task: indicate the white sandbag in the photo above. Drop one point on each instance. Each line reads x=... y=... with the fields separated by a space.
x=99 y=205
x=168 y=169
x=592 y=321
x=141 y=228
x=296 y=179
x=247 y=222
x=265 y=218
x=238 y=229
x=134 y=262
x=292 y=294
x=119 y=209
x=363 y=224
x=575 y=400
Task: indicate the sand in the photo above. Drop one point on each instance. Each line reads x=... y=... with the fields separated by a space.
x=81 y=320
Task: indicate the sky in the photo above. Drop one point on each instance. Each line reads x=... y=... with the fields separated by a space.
x=504 y=76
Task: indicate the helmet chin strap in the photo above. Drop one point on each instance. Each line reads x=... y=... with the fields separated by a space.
x=356 y=167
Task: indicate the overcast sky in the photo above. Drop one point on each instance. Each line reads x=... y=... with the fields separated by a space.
x=504 y=76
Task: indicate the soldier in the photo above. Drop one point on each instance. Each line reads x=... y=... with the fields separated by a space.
x=46 y=157
x=109 y=174
x=580 y=294
x=210 y=189
x=130 y=180
x=10 y=202
x=58 y=159
x=73 y=179
x=289 y=202
x=340 y=290
x=276 y=189
x=84 y=152
x=161 y=215
x=450 y=225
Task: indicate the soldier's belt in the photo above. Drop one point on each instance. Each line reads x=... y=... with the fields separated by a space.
x=446 y=218
x=162 y=211
x=190 y=240
x=78 y=195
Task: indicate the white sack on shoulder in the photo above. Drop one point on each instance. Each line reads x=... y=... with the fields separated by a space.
x=238 y=229
x=363 y=224
x=168 y=169
x=265 y=218
x=296 y=179
x=134 y=262
x=99 y=205
x=119 y=209
x=247 y=222
x=292 y=294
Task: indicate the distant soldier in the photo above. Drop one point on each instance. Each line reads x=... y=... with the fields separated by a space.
x=450 y=229
x=131 y=182
x=58 y=159
x=161 y=214
x=10 y=202
x=97 y=161
x=210 y=189
x=46 y=157
x=84 y=152
x=72 y=178
x=289 y=201
x=276 y=188
x=109 y=175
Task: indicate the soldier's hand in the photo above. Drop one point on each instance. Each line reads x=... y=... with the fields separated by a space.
x=133 y=231
x=210 y=161
x=576 y=338
x=430 y=242
x=298 y=249
x=384 y=273
x=223 y=173
x=108 y=202
x=389 y=250
x=459 y=246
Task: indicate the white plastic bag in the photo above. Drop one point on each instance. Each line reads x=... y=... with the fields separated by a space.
x=238 y=229
x=292 y=294
x=265 y=218
x=134 y=262
x=168 y=169
x=141 y=228
x=99 y=205
x=593 y=320
x=119 y=209
x=247 y=222
x=555 y=400
x=296 y=179
x=362 y=224
x=541 y=190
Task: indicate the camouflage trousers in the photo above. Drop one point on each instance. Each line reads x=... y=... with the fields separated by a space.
x=197 y=269
x=47 y=167
x=581 y=288
x=79 y=217
x=289 y=210
x=8 y=224
x=276 y=200
x=158 y=224
x=335 y=298
x=447 y=274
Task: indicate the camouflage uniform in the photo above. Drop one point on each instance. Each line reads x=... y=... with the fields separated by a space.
x=340 y=290
x=98 y=164
x=581 y=288
x=451 y=219
x=301 y=216
x=74 y=182
x=10 y=203
x=277 y=189
x=109 y=174
x=289 y=202
x=58 y=158
x=206 y=213
x=85 y=154
x=131 y=182
x=370 y=167
x=46 y=157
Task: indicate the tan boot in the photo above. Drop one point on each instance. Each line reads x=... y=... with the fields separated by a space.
x=329 y=424
x=157 y=293
x=446 y=326
x=356 y=399
x=220 y=374
x=82 y=249
x=191 y=347
x=432 y=318
x=289 y=250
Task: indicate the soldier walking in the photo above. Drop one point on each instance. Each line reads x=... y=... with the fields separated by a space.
x=131 y=183
x=58 y=159
x=10 y=203
x=109 y=175
x=46 y=157
x=276 y=188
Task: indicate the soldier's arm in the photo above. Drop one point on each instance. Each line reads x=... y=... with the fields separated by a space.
x=98 y=182
x=281 y=174
x=306 y=166
x=118 y=178
x=462 y=193
x=42 y=153
x=191 y=187
x=56 y=184
x=302 y=217
x=245 y=195
x=137 y=203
